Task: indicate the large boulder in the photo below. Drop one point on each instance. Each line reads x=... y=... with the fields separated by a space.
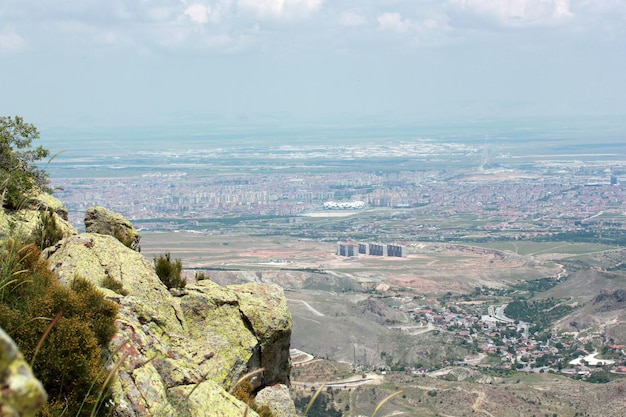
x=180 y=352
x=106 y=222
x=22 y=395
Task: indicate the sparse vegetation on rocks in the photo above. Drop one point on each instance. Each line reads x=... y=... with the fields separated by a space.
x=47 y=233
x=169 y=271
x=92 y=363
x=114 y=285
x=61 y=330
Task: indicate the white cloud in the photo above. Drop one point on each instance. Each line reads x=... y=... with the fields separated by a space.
x=432 y=27
x=280 y=8
x=214 y=12
x=11 y=41
x=394 y=22
x=198 y=13
x=352 y=19
x=562 y=9
x=187 y=23
x=518 y=13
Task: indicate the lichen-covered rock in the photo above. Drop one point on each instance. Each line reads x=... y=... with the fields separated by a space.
x=44 y=201
x=106 y=222
x=213 y=316
x=208 y=399
x=266 y=308
x=24 y=222
x=141 y=392
x=22 y=395
x=278 y=399
x=101 y=257
x=207 y=335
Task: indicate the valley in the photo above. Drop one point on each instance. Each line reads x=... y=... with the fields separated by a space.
x=451 y=317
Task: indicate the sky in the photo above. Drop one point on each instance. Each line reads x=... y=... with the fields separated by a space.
x=94 y=63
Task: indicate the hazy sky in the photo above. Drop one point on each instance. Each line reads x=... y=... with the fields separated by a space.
x=97 y=63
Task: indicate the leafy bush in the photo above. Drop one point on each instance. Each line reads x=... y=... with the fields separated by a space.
x=18 y=173
x=169 y=272
x=61 y=330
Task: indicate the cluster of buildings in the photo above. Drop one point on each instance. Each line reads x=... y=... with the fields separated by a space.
x=353 y=249
x=497 y=335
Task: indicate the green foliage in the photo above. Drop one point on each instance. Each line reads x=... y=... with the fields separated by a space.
x=539 y=312
x=599 y=377
x=18 y=173
x=538 y=285
x=47 y=233
x=169 y=272
x=61 y=330
x=9 y=266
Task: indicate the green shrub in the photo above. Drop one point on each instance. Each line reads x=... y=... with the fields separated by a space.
x=47 y=233
x=201 y=276
x=68 y=359
x=19 y=174
x=169 y=272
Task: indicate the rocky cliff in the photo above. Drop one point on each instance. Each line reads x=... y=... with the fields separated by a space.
x=182 y=352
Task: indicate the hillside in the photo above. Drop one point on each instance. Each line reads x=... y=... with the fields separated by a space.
x=602 y=311
x=183 y=351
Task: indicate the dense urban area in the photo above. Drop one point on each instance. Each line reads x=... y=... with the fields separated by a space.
x=432 y=197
